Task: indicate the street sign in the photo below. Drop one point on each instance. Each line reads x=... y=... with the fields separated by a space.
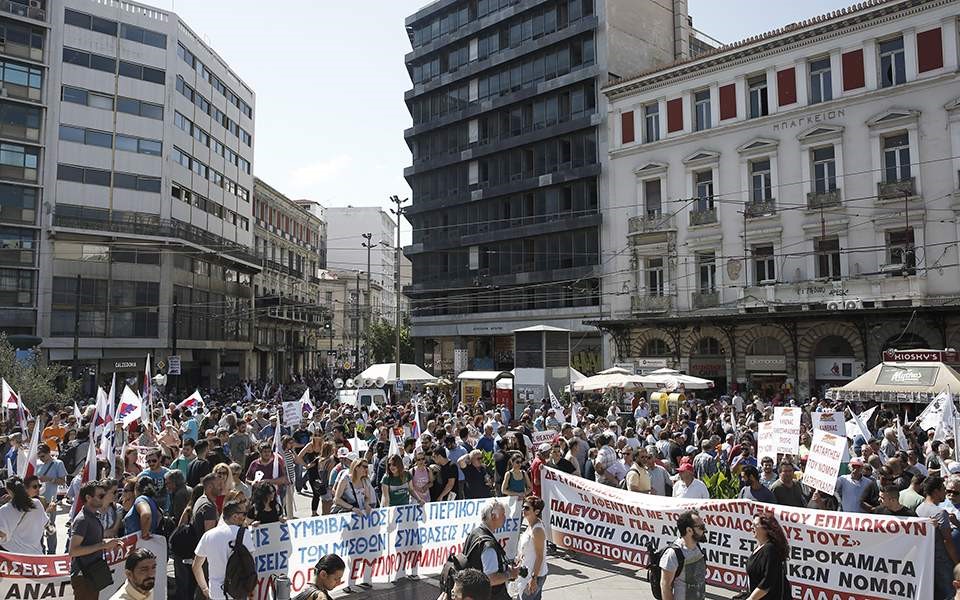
x=399 y=386
x=173 y=365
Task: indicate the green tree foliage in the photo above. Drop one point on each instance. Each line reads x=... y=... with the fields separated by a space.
x=722 y=486
x=37 y=383
x=380 y=342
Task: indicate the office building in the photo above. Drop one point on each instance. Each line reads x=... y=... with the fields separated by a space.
x=508 y=147
x=791 y=211
x=126 y=184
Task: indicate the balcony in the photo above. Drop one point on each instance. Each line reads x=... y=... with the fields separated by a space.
x=902 y=189
x=817 y=200
x=35 y=10
x=650 y=304
x=761 y=208
x=706 y=300
x=121 y=222
x=652 y=222
x=703 y=217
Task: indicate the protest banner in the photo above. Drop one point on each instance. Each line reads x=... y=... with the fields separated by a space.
x=543 y=437
x=292 y=414
x=48 y=576
x=823 y=462
x=829 y=421
x=766 y=441
x=832 y=555
x=786 y=427
x=386 y=545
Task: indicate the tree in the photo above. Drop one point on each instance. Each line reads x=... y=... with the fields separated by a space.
x=380 y=342
x=35 y=381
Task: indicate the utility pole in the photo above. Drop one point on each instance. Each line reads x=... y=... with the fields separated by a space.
x=368 y=314
x=398 y=212
x=357 y=328
x=76 y=330
x=173 y=335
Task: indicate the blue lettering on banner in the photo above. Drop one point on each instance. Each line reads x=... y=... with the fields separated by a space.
x=311 y=554
x=273 y=561
x=262 y=537
x=452 y=510
x=361 y=545
x=284 y=533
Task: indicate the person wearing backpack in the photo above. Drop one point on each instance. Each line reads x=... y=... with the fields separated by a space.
x=638 y=478
x=193 y=524
x=686 y=578
x=485 y=553
x=226 y=561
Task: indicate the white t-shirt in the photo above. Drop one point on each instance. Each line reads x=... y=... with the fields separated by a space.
x=23 y=536
x=696 y=489
x=215 y=547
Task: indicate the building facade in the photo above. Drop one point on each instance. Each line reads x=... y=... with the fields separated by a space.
x=349 y=304
x=508 y=147
x=787 y=206
x=289 y=317
x=126 y=177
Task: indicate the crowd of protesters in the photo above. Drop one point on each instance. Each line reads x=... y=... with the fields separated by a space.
x=197 y=465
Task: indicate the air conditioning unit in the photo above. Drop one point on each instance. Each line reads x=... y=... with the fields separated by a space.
x=835 y=305
x=852 y=304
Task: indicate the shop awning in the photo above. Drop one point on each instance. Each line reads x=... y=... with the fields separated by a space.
x=901 y=382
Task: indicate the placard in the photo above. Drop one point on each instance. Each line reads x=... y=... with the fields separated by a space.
x=543 y=437
x=829 y=421
x=786 y=426
x=823 y=462
x=292 y=414
x=766 y=441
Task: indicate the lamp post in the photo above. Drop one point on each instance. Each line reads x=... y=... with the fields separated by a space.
x=366 y=306
x=398 y=212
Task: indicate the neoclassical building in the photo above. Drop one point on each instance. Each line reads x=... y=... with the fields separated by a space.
x=783 y=209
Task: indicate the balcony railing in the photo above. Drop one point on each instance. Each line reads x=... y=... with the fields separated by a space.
x=649 y=304
x=650 y=223
x=761 y=207
x=887 y=190
x=823 y=199
x=703 y=217
x=22 y=9
x=157 y=227
x=706 y=299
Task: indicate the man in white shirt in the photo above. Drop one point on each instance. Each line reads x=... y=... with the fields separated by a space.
x=214 y=550
x=688 y=486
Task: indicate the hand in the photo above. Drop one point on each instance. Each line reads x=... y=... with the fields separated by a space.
x=514 y=572
x=112 y=544
x=532 y=586
x=145 y=535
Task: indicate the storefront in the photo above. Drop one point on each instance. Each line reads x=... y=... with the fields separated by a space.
x=713 y=368
x=833 y=372
x=766 y=374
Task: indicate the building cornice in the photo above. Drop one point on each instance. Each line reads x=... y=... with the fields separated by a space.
x=791 y=37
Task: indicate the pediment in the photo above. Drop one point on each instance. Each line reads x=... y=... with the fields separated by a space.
x=820 y=132
x=702 y=156
x=893 y=117
x=650 y=168
x=952 y=105
x=758 y=146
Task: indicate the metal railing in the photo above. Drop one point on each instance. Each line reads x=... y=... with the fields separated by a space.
x=649 y=304
x=887 y=190
x=655 y=221
x=706 y=299
x=703 y=217
x=761 y=208
x=23 y=10
x=823 y=199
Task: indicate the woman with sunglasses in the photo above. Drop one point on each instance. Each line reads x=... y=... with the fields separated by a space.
x=516 y=482
x=421 y=478
x=396 y=486
x=22 y=520
x=354 y=493
x=767 y=566
x=317 y=456
x=532 y=549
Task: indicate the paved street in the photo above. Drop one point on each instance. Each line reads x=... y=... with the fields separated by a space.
x=572 y=577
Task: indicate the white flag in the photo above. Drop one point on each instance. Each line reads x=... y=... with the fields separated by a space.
x=277 y=450
x=933 y=413
x=76 y=412
x=131 y=407
x=394 y=445
x=574 y=415
x=306 y=406
x=857 y=425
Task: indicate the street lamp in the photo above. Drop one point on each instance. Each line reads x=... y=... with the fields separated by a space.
x=398 y=212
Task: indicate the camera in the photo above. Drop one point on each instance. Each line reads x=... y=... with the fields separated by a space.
x=523 y=572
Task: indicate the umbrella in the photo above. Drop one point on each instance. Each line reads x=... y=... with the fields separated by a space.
x=605 y=381
x=671 y=380
x=387 y=371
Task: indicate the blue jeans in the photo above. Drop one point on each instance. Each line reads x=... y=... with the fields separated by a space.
x=526 y=595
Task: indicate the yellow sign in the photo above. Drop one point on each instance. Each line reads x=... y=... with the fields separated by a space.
x=471 y=390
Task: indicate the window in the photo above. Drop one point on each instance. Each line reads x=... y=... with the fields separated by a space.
x=827 y=251
x=655 y=286
x=892 y=64
x=761 y=186
x=763 y=264
x=757 y=87
x=656 y=347
x=703 y=182
x=821 y=89
x=896 y=158
x=651 y=198
x=900 y=250
x=71 y=134
x=701 y=105
x=651 y=123
x=824 y=170
x=706 y=272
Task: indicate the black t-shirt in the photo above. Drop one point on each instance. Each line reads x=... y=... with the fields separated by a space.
x=475 y=482
x=197 y=469
x=88 y=527
x=564 y=465
x=204 y=510
x=903 y=512
x=268 y=514
x=447 y=472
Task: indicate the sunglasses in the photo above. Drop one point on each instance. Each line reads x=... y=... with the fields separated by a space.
x=34 y=486
x=953 y=492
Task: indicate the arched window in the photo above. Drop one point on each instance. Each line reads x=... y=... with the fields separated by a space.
x=833 y=345
x=709 y=346
x=656 y=347
x=765 y=346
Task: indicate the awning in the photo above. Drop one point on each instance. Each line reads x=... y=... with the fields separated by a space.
x=901 y=382
x=484 y=375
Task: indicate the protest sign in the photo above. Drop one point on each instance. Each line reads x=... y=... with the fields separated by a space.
x=386 y=545
x=48 y=576
x=829 y=421
x=786 y=427
x=543 y=437
x=766 y=441
x=823 y=462
x=292 y=414
x=832 y=555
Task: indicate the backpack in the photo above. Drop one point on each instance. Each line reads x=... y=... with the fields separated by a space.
x=183 y=541
x=623 y=482
x=654 y=572
x=467 y=558
x=240 y=576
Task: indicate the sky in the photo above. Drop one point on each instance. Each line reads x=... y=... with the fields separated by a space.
x=329 y=78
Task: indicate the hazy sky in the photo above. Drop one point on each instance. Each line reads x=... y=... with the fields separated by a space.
x=329 y=78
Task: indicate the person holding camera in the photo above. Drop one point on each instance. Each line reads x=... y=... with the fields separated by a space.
x=492 y=557
x=532 y=550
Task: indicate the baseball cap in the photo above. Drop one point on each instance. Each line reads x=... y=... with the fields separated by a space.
x=352 y=456
x=856 y=462
x=544 y=447
x=342 y=452
x=685 y=468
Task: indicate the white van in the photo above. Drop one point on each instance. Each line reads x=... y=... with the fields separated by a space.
x=362 y=398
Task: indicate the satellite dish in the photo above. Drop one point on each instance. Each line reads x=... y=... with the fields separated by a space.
x=338 y=383
x=380 y=382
